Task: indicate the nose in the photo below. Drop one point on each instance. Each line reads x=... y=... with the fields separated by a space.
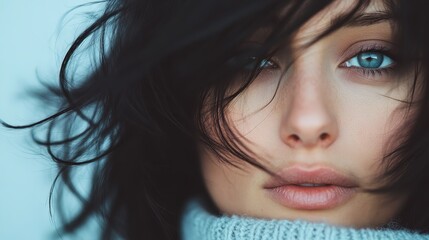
x=309 y=119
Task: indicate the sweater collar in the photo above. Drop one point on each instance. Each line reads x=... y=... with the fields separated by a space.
x=199 y=224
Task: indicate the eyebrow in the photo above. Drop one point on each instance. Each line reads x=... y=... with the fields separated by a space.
x=366 y=19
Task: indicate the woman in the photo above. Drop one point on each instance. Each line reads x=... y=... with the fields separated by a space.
x=306 y=112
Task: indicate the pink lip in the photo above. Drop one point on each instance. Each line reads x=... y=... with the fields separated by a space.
x=286 y=188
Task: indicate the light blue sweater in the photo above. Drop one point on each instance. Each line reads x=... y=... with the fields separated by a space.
x=198 y=224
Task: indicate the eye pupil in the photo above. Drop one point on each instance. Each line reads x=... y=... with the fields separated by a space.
x=370 y=59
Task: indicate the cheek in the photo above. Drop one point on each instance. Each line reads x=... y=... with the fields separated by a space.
x=254 y=103
x=366 y=138
x=229 y=187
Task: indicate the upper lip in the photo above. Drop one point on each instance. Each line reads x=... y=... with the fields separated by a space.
x=321 y=175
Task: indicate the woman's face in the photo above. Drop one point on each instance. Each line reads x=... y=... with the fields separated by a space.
x=325 y=132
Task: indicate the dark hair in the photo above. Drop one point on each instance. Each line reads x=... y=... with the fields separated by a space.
x=163 y=70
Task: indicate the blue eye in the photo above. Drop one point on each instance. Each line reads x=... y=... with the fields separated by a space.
x=267 y=63
x=370 y=60
x=262 y=64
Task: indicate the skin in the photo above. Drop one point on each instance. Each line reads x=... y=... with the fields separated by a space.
x=324 y=114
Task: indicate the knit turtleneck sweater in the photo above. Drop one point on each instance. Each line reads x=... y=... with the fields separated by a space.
x=199 y=224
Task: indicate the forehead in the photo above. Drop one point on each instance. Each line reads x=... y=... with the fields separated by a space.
x=369 y=14
x=372 y=17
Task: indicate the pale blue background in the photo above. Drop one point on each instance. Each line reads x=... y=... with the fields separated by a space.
x=33 y=40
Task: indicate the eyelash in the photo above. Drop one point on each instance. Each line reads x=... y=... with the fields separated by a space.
x=371 y=72
x=367 y=72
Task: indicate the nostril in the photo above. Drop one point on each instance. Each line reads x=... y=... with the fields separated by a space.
x=324 y=136
x=293 y=138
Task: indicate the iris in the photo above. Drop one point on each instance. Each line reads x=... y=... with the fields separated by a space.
x=370 y=59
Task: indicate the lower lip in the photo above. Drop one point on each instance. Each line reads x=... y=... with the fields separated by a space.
x=311 y=198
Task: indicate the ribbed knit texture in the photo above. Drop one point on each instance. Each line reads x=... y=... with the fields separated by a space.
x=198 y=224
